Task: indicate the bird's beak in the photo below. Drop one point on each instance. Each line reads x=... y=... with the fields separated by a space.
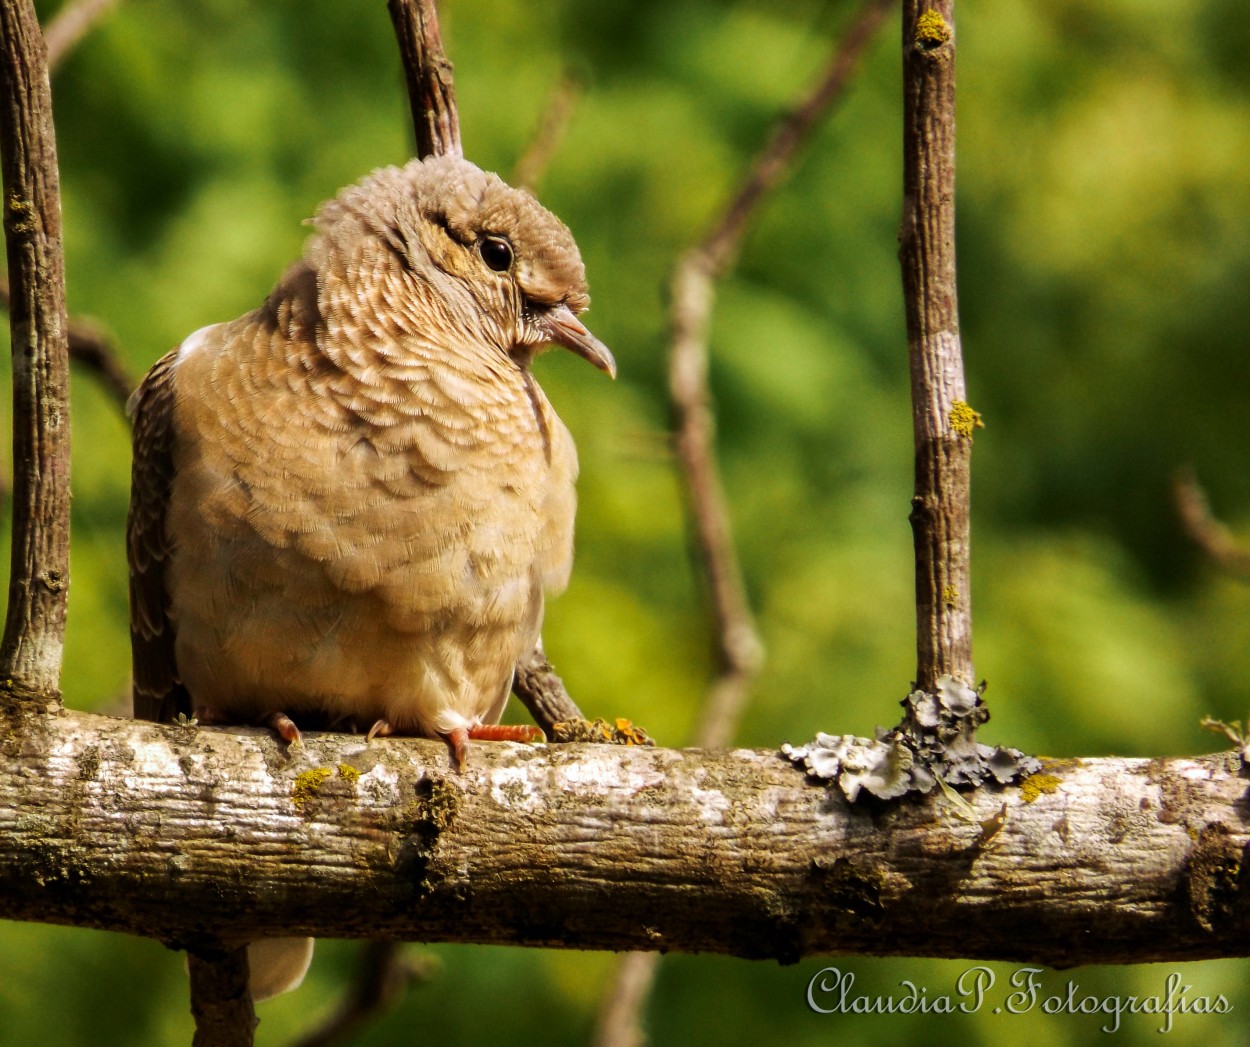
x=563 y=328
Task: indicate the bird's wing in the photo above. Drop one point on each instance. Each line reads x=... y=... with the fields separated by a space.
x=158 y=693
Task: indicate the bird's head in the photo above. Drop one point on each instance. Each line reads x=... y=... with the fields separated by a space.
x=487 y=260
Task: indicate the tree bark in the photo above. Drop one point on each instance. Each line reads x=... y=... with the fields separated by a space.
x=941 y=417
x=427 y=73
x=199 y=836
x=34 y=628
x=220 y=999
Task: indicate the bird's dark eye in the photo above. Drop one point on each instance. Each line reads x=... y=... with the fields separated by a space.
x=496 y=252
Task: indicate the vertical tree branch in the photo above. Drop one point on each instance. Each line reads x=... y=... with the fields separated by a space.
x=34 y=630
x=220 y=999
x=739 y=650
x=942 y=420
x=428 y=73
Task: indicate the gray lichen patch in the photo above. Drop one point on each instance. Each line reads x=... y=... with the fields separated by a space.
x=937 y=738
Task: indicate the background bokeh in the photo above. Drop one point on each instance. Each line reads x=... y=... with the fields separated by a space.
x=1104 y=248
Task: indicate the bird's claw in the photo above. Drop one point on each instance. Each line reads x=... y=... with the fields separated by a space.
x=285 y=727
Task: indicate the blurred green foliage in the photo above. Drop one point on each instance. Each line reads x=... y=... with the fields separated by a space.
x=1104 y=248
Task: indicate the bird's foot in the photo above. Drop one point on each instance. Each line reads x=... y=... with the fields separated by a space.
x=489 y=732
x=210 y=716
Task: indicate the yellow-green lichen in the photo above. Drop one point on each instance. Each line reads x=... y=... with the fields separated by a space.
x=931 y=31
x=308 y=784
x=1036 y=785
x=950 y=596
x=21 y=215
x=349 y=773
x=964 y=419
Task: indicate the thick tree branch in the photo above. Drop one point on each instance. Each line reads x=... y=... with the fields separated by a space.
x=942 y=420
x=198 y=836
x=427 y=72
x=34 y=630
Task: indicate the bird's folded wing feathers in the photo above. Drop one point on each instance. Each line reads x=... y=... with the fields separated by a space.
x=158 y=692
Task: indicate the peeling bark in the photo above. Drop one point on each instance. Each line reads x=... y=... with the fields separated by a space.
x=199 y=836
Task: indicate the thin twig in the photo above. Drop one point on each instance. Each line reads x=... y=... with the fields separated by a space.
x=1207 y=532
x=619 y=1022
x=88 y=346
x=428 y=74
x=220 y=1000
x=70 y=25
x=533 y=164
x=739 y=650
x=693 y=292
x=942 y=420
x=34 y=630
x=385 y=973
x=773 y=162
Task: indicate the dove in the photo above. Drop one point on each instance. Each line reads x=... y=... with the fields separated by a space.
x=348 y=504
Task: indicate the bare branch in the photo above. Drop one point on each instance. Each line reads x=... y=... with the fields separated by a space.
x=220 y=1000
x=619 y=1022
x=739 y=649
x=70 y=25
x=555 y=121
x=942 y=420
x=603 y=847
x=385 y=973
x=773 y=162
x=1207 y=532
x=34 y=630
x=89 y=347
x=428 y=74
x=542 y=692
x=693 y=291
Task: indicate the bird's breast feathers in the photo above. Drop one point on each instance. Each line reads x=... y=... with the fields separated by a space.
x=420 y=483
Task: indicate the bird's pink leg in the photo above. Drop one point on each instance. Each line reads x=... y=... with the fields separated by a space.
x=489 y=732
x=506 y=732
x=458 y=739
x=459 y=742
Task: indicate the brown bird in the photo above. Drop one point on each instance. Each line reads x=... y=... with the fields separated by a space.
x=347 y=504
